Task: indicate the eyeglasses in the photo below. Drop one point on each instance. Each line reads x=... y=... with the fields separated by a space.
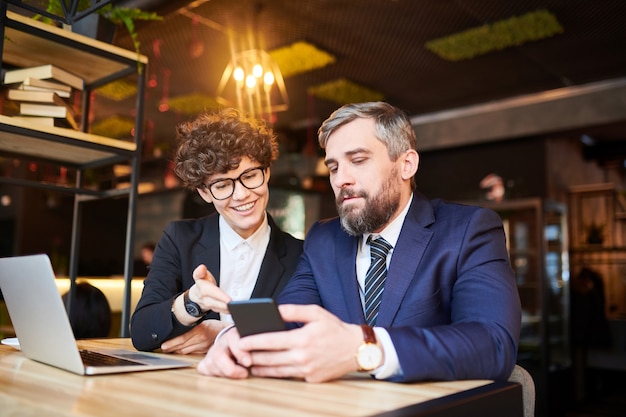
x=251 y=178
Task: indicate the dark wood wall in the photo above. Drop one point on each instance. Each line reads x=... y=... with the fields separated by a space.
x=455 y=174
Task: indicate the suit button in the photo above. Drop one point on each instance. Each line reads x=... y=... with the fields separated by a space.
x=155 y=337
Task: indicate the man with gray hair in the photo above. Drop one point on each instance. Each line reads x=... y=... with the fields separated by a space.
x=399 y=286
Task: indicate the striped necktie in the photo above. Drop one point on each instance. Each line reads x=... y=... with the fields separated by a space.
x=375 y=277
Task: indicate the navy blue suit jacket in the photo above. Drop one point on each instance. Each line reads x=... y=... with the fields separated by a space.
x=450 y=303
x=185 y=244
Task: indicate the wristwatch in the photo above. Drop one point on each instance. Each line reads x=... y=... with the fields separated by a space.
x=369 y=356
x=192 y=308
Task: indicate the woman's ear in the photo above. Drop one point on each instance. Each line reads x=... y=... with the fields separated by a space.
x=205 y=194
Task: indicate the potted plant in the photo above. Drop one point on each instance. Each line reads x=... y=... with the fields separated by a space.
x=115 y=14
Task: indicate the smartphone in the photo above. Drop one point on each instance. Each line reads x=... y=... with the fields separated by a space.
x=256 y=315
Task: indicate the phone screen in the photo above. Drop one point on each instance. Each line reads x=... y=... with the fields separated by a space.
x=257 y=315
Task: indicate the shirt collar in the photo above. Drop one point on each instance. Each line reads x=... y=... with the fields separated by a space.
x=232 y=239
x=392 y=231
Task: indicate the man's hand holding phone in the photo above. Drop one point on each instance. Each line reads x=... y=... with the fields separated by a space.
x=251 y=317
x=257 y=315
x=322 y=350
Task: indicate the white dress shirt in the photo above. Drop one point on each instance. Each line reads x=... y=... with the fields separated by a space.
x=240 y=260
x=391 y=366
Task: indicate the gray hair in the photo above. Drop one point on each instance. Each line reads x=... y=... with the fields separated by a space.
x=392 y=126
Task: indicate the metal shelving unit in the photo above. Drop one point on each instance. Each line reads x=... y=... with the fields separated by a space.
x=25 y=42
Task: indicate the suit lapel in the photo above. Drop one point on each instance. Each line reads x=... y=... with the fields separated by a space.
x=207 y=251
x=411 y=245
x=272 y=268
x=345 y=257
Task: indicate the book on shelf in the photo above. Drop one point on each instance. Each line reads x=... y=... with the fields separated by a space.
x=46 y=121
x=35 y=96
x=49 y=110
x=35 y=84
x=44 y=72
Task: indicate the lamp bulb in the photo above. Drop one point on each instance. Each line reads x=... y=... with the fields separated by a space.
x=268 y=78
x=250 y=81
x=238 y=74
x=257 y=70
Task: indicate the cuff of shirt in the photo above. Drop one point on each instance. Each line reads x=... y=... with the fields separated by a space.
x=391 y=366
x=221 y=333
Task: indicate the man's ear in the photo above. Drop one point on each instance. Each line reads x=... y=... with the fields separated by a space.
x=410 y=164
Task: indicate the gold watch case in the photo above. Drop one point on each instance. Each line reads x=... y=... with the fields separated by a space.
x=369 y=356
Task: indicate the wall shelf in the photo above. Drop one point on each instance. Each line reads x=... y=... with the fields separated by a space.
x=27 y=42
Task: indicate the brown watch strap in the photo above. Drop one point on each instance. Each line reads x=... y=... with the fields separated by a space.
x=368 y=334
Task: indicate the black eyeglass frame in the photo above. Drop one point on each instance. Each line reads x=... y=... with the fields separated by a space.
x=233 y=182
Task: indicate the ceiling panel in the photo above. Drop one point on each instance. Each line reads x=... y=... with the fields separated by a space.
x=378 y=44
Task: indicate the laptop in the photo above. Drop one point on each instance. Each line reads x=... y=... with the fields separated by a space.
x=43 y=328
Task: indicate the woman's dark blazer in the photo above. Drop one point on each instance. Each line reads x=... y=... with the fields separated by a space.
x=185 y=244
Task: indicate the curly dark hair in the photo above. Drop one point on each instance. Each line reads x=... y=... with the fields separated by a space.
x=215 y=143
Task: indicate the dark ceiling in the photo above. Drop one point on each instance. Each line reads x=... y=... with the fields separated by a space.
x=380 y=45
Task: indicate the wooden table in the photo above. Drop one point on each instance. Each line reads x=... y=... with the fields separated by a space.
x=28 y=388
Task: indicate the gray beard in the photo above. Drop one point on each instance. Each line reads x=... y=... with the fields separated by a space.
x=376 y=213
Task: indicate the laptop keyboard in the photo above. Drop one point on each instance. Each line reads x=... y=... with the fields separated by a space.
x=91 y=358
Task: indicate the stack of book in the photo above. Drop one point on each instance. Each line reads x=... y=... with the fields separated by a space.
x=43 y=94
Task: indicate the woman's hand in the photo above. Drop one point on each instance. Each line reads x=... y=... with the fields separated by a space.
x=206 y=293
x=197 y=340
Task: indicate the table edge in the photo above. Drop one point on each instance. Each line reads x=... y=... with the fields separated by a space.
x=499 y=393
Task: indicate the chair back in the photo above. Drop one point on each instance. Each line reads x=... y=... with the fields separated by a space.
x=522 y=377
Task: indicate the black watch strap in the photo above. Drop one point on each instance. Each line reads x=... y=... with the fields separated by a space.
x=192 y=308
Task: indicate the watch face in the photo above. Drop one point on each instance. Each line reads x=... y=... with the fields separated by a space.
x=192 y=309
x=369 y=356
